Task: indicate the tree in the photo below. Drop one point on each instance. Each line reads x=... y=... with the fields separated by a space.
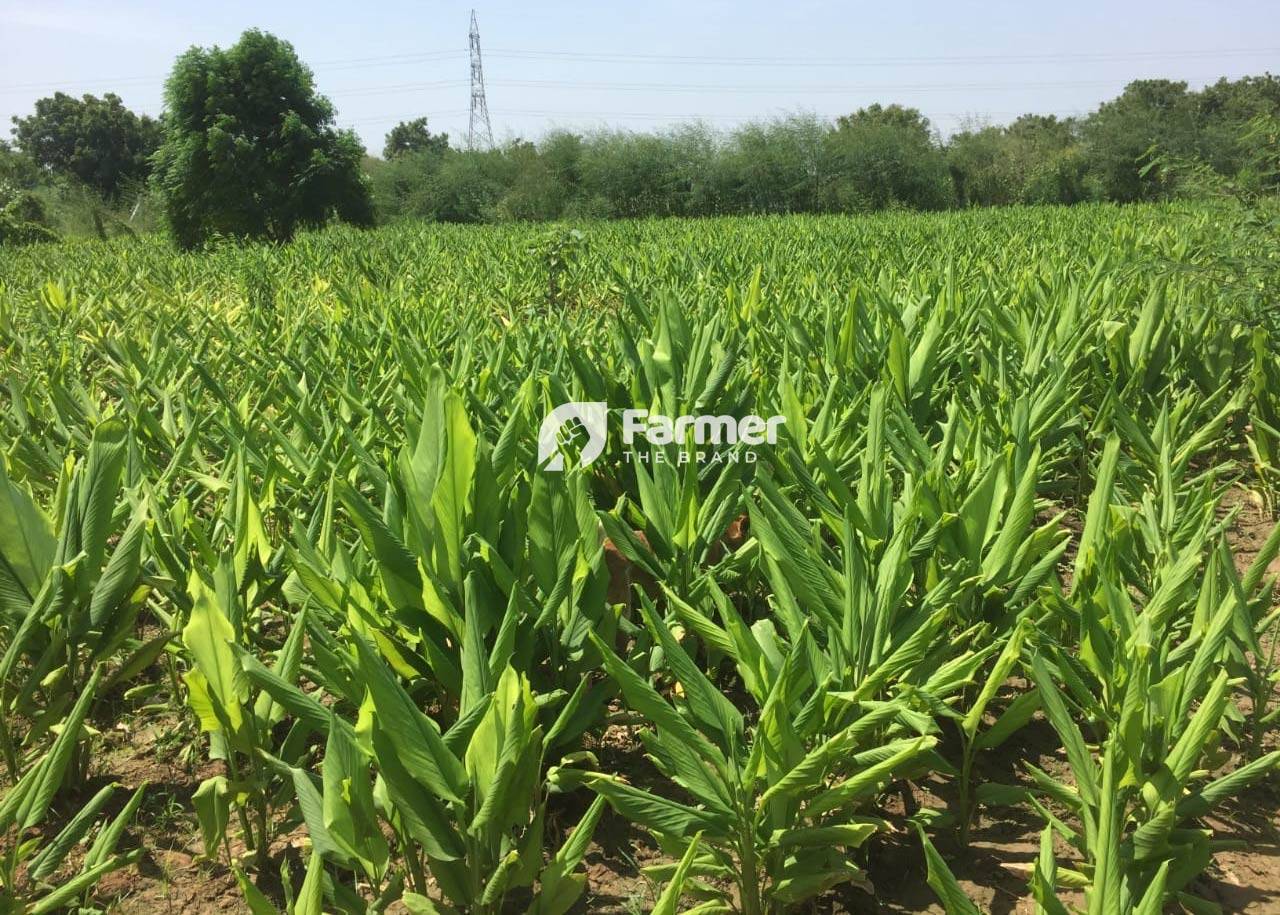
x=250 y=148
x=908 y=120
x=532 y=189
x=1036 y=159
x=413 y=137
x=1226 y=110
x=17 y=171
x=983 y=167
x=773 y=167
x=97 y=140
x=1150 y=113
x=633 y=175
x=885 y=157
x=879 y=156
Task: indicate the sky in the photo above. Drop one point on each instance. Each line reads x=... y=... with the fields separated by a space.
x=650 y=65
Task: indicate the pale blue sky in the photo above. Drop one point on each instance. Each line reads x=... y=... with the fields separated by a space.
x=650 y=64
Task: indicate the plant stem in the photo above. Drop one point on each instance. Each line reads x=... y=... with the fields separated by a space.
x=749 y=882
x=245 y=828
x=6 y=743
x=416 y=876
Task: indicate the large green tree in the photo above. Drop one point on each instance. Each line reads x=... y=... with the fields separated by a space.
x=97 y=140
x=250 y=148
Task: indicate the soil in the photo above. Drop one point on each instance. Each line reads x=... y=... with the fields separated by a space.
x=172 y=876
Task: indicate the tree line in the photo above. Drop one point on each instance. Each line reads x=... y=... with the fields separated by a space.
x=876 y=158
x=247 y=147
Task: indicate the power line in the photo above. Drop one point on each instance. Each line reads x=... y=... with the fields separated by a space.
x=932 y=60
x=399 y=87
x=827 y=88
x=693 y=118
x=346 y=63
x=397 y=118
x=379 y=59
x=677 y=116
x=352 y=63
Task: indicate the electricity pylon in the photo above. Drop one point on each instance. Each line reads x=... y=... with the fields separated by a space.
x=478 y=130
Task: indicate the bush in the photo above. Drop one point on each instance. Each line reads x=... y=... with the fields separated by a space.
x=886 y=157
x=24 y=219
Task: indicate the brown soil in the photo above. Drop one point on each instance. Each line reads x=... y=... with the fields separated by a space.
x=1251 y=529
x=171 y=877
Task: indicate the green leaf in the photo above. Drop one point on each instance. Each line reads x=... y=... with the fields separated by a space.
x=819 y=762
x=81 y=883
x=53 y=854
x=944 y=882
x=708 y=705
x=1043 y=881
x=845 y=835
x=417 y=904
x=669 y=902
x=650 y=811
x=998 y=563
x=99 y=488
x=107 y=840
x=253 y=897
x=209 y=636
x=212 y=802
x=310 y=899
x=416 y=737
x=999 y=673
x=397 y=568
x=869 y=780
x=27 y=802
x=1012 y=720
x=424 y=815
x=559 y=886
x=348 y=802
x=1152 y=902
x=27 y=545
x=1082 y=764
x=645 y=699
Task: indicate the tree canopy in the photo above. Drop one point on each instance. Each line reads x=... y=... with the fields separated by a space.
x=97 y=140
x=250 y=148
x=414 y=137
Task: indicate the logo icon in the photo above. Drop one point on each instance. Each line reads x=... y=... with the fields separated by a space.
x=581 y=423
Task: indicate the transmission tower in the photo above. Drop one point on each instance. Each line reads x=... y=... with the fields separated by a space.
x=478 y=130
